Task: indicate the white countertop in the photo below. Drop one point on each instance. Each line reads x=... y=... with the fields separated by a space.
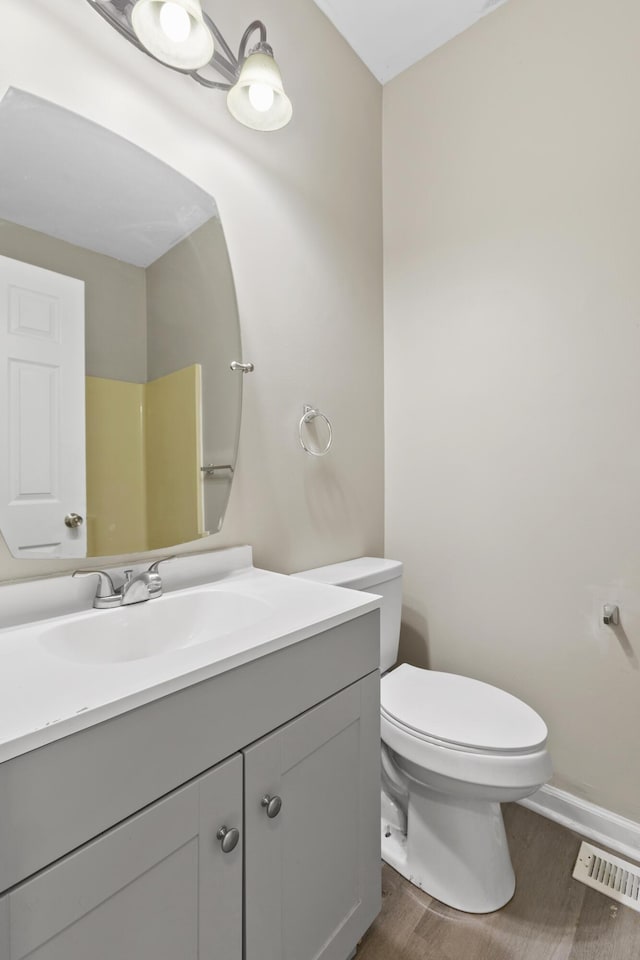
x=44 y=696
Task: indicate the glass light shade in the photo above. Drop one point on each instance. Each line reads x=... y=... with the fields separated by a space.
x=266 y=106
x=160 y=34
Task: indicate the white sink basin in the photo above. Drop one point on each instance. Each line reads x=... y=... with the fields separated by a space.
x=142 y=630
x=62 y=671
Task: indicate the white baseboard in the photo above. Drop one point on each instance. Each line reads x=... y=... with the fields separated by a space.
x=607 y=828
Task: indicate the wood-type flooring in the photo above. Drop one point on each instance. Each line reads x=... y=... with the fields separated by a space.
x=551 y=916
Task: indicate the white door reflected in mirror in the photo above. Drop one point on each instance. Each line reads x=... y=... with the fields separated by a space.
x=160 y=331
x=42 y=418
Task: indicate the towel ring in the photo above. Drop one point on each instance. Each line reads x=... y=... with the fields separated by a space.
x=309 y=414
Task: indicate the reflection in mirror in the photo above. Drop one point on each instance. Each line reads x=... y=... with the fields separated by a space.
x=118 y=322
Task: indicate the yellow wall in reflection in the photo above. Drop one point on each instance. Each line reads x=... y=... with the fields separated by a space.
x=144 y=483
x=116 y=481
x=173 y=445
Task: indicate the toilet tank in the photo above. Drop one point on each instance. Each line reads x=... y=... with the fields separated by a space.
x=374 y=575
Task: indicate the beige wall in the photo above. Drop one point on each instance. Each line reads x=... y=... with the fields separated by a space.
x=301 y=211
x=512 y=338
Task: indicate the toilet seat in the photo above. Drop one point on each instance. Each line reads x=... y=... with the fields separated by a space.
x=424 y=724
x=459 y=713
x=441 y=762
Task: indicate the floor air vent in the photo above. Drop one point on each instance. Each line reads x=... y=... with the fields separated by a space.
x=612 y=876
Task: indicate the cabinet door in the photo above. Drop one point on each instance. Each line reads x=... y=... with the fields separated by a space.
x=312 y=871
x=158 y=887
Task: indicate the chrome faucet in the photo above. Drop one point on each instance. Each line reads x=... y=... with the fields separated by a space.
x=145 y=586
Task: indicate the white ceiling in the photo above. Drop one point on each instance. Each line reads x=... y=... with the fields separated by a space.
x=69 y=178
x=391 y=35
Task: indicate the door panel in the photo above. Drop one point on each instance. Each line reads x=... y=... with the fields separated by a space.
x=322 y=832
x=42 y=415
x=158 y=887
x=155 y=917
x=313 y=872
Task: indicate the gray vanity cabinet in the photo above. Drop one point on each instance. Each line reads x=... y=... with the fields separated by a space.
x=312 y=873
x=109 y=846
x=158 y=887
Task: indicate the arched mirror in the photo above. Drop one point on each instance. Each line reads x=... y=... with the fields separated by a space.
x=118 y=323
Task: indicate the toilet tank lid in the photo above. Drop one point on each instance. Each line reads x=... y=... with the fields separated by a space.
x=357 y=574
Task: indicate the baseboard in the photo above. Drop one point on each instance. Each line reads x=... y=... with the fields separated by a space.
x=607 y=828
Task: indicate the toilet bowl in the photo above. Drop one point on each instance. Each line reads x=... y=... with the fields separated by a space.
x=460 y=747
x=453 y=749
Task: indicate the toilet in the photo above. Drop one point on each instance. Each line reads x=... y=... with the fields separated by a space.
x=453 y=749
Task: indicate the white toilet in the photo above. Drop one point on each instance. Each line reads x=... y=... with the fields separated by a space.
x=453 y=749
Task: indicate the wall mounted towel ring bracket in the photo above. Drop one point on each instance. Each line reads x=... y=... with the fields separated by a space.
x=310 y=413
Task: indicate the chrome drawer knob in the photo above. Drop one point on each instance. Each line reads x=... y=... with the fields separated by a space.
x=228 y=838
x=273 y=806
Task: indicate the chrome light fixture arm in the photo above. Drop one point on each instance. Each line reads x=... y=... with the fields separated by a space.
x=251 y=29
x=228 y=66
x=119 y=22
x=116 y=13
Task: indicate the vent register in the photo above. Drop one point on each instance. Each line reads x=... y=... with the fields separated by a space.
x=615 y=878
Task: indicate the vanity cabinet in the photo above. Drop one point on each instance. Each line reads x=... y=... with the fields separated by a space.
x=99 y=862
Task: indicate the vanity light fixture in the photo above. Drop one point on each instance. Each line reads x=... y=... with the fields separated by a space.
x=182 y=36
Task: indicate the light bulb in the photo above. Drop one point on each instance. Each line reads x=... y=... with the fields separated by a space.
x=175 y=22
x=261 y=97
x=173 y=31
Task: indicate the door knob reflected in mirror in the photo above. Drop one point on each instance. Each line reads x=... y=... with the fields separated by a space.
x=73 y=520
x=273 y=806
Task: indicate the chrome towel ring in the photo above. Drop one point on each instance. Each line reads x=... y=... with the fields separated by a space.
x=309 y=414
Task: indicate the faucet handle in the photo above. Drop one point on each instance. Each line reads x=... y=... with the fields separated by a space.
x=105 y=590
x=156 y=563
x=106 y=595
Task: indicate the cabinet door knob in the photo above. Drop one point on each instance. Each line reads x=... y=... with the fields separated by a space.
x=273 y=806
x=228 y=838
